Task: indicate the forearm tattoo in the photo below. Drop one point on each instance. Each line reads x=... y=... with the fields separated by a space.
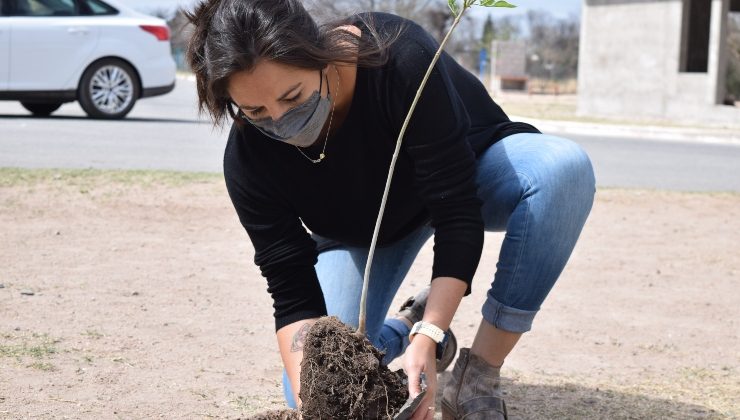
x=299 y=338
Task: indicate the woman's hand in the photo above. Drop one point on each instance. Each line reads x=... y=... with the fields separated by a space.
x=420 y=358
x=443 y=300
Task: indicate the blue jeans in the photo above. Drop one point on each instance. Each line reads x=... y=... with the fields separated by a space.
x=538 y=188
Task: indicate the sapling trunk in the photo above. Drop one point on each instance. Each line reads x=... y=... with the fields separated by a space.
x=361 y=329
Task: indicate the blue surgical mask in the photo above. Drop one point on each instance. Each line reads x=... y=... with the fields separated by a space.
x=301 y=125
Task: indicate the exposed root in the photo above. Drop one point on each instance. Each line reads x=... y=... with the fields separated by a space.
x=342 y=376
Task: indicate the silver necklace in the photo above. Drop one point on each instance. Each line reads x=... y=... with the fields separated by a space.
x=328 y=130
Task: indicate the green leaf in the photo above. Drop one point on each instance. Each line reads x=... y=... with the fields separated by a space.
x=453 y=7
x=496 y=3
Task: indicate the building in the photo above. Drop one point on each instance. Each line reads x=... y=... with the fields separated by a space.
x=649 y=59
x=508 y=66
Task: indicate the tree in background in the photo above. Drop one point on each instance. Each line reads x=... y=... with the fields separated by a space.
x=489 y=32
x=552 y=46
x=433 y=15
x=503 y=28
x=553 y=41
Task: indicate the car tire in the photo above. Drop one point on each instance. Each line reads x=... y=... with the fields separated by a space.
x=41 y=109
x=108 y=89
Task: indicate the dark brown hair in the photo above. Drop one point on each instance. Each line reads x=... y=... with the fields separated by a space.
x=233 y=35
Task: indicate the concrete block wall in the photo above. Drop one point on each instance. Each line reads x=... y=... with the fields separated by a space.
x=628 y=56
x=629 y=63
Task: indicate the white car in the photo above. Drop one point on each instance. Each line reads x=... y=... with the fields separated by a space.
x=100 y=53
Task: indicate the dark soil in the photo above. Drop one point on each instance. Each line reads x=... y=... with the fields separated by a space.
x=286 y=414
x=342 y=377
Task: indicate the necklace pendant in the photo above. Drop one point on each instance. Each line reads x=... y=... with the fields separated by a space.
x=322 y=156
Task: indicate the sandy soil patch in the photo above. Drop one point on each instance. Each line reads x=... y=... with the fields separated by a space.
x=134 y=295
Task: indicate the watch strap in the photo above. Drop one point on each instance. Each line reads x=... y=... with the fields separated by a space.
x=430 y=330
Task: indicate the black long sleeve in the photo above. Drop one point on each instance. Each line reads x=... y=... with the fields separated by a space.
x=276 y=191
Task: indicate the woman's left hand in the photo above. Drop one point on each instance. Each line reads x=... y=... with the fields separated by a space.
x=420 y=358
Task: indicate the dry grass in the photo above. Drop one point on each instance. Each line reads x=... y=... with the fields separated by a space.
x=86 y=178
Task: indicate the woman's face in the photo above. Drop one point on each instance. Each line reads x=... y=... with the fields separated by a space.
x=272 y=88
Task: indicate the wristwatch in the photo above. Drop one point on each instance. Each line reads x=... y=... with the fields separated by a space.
x=430 y=330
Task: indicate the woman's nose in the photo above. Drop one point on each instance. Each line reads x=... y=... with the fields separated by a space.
x=278 y=110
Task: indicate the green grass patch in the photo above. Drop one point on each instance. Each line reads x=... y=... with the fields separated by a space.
x=38 y=347
x=45 y=366
x=93 y=334
x=88 y=178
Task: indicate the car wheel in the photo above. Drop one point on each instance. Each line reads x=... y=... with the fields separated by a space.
x=41 y=109
x=109 y=89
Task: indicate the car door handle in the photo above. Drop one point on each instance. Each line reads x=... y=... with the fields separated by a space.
x=81 y=31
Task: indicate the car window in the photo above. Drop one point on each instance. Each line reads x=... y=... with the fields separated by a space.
x=46 y=8
x=97 y=7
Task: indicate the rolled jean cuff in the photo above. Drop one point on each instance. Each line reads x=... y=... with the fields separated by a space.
x=507 y=318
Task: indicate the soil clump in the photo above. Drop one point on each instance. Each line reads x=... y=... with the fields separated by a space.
x=342 y=376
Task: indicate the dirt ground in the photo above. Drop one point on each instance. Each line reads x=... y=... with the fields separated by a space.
x=133 y=295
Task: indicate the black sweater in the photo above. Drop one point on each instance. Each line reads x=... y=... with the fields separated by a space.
x=274 y=188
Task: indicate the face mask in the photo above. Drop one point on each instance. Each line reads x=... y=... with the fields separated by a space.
x=301 y=125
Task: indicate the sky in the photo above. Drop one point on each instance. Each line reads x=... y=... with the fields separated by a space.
x=560 y=8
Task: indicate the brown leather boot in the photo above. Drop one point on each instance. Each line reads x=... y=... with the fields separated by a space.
x=474 y=391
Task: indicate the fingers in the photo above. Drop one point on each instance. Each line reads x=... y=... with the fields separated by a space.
x=426 y=409
x=418 y=361
x=415 y=368
x=430 y=413
x=429 y=398
x=414 y=378
x=425 y=413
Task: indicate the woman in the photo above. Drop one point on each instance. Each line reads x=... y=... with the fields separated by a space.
x=315 y=113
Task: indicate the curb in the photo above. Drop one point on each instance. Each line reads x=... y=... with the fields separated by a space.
x=647 y=132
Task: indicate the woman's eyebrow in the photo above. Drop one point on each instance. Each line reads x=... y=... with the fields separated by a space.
x=283 y=96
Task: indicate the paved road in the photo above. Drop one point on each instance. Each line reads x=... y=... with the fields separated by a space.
x=163 y=132
x=166 y=133
x=682 y=166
